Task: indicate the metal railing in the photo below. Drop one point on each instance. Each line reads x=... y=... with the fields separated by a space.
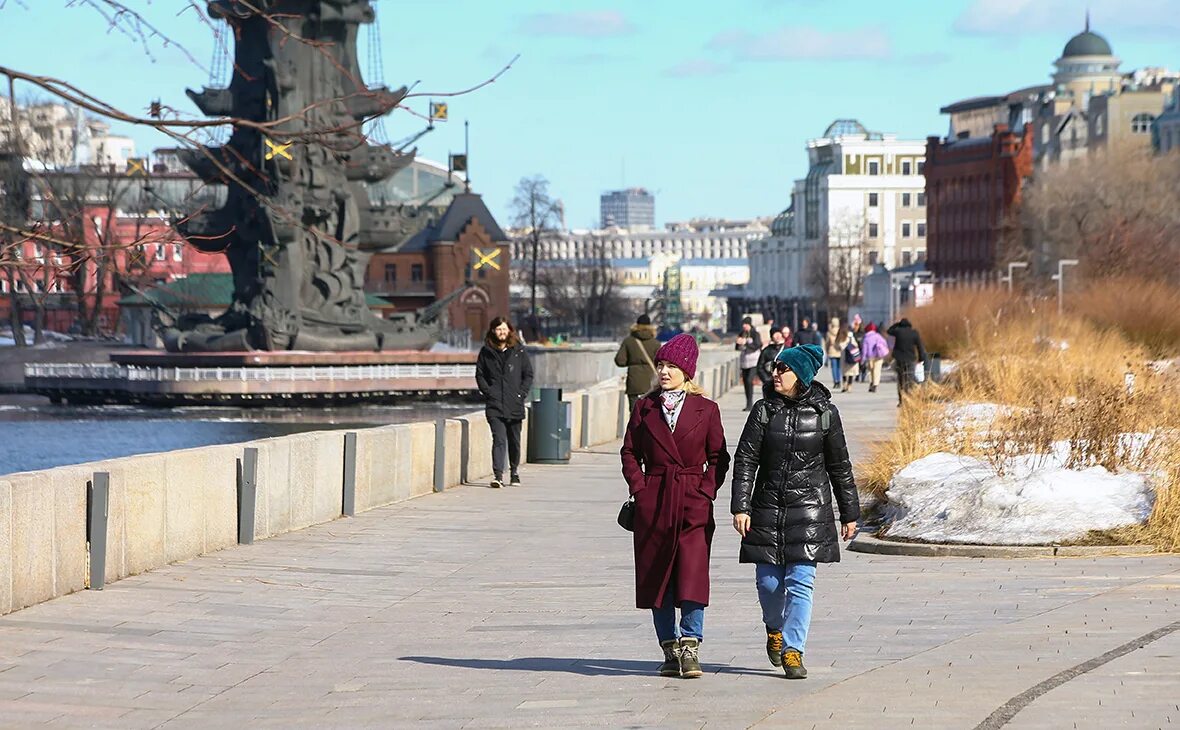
x=248 y=374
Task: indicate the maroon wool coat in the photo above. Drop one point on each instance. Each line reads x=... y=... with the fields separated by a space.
x=674 y=478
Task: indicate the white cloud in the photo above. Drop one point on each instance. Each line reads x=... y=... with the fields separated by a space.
x=697 y=67
x=586 y=24
x=806 y=43
x=1007 y=17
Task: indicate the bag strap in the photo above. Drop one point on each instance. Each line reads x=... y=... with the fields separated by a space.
x=646 y=357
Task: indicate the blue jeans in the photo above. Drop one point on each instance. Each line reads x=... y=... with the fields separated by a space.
x=835 y=363
x=785 y=594
x=692 y=619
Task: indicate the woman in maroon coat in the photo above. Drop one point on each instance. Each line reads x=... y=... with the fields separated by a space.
x=674 y=459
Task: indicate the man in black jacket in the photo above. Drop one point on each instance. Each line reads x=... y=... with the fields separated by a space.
x=504 y=374
x=908 y=351
x=769 y=353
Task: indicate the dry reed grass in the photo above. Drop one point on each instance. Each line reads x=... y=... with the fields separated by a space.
x=1146 y=313
x=1062 y=380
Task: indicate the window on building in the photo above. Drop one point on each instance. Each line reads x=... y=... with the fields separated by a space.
x=177 y=252
x=873 y=230
x=390 y=273
x=921 y=229
x=874 y=256
x=1141 y=123
x=1099 y=124
x=907 y=167
x=907 y=257
x=874 y=167
x=907 y=230
x=905 y=199
x=873 y=200
x=921 y=200
x=417 y=274
x=922 y=256
x=160 y=253
x=921 y=167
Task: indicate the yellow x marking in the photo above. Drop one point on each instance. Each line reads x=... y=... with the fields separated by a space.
x=135 y=166
x=278 y=149
x=487 y=258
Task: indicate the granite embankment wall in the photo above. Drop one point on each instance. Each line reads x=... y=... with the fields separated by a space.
x=173 y=506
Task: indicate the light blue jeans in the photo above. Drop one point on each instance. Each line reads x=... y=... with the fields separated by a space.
x=785 y=594
x=836 y=370
x=692 y=618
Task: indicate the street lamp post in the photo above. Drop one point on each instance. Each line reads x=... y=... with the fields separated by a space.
x=1060 y=277
x=1014 y=265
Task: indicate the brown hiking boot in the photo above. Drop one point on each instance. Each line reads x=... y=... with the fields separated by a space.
x=690 y=662
x=774 y=647
x=671 y=665
x=793 y=664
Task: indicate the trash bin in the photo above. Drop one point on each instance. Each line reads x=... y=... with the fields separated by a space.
x=550 y=428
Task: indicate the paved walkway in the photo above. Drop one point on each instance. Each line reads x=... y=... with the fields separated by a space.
x=479 y=608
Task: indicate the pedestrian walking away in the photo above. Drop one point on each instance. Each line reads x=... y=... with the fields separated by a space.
x=790 y=459
x=833 y=345
x=504 y=375
x=749 y=344
x=850 y=359
x=637 y=353
x=908 y=351
x=873 y=352
x=807 y=334
x=769 y=353
x=674 y=460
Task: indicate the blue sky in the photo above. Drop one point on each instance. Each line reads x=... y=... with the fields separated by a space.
x=707 y=104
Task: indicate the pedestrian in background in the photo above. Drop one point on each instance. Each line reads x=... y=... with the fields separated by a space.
x=858 y=332
x=833 y=347
x=637 y=353
x=787 y=340
x=850 y=358
x=791 y=457
x=749 y=344
x=873 y=351
x=769 y=353
x=504 y=375
x=674 y=460
x=908 y=351
x=807 y=334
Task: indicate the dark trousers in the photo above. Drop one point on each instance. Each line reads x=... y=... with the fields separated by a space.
x=505 y=437
x=905 y=377
x=632 y=399
x=749 y=375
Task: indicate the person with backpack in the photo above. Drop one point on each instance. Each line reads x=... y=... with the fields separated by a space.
x=791 y=458
x=674 y=461
x=850 y=356
x=504 y=375
x=637 y=353
x=749 y=344
x=873 y=352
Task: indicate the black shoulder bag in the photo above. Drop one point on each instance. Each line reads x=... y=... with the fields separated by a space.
x=627 y=515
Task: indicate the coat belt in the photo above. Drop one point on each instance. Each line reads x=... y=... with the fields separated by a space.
x=676 y=471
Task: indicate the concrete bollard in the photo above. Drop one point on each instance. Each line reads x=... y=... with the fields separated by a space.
x=247 y=495
x=624 y=416
x=584 y=439
x=97 y=510
x=348 y=497
x=464 y=449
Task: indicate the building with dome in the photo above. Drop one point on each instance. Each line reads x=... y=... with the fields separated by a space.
x=863 y=202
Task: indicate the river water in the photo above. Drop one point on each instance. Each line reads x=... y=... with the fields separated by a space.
x=37 y=435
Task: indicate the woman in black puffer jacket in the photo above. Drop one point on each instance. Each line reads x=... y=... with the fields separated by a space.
x=791 y=458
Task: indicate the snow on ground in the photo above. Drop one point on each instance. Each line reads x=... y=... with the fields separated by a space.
x=958 y=499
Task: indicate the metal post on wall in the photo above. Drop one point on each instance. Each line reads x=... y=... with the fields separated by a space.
x=348 y=497
x=98 y=492
x=440 y=455
x=464 y=448
x=584 y=441
x=247 y=494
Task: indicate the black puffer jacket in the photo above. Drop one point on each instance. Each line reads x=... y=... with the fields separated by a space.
x=505 y=378
x=785 y=470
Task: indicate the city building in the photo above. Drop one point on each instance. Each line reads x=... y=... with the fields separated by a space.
x=633 y=208
x=1167 y=125
x=56 y=135
x=862 y=203
x=973 y=187
x=465 y=244
x=705 y=238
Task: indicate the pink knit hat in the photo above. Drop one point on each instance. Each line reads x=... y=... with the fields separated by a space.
x=682 y=352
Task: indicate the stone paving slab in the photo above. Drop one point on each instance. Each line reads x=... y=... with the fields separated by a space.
x=482 y=608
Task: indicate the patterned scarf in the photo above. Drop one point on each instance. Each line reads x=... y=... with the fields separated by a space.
x=671 y=400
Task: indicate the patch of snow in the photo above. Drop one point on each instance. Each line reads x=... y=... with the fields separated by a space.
x=958 y=499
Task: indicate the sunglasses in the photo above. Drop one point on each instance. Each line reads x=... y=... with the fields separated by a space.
x=781 y=367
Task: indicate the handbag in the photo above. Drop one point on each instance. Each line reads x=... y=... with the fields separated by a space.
x=920 y=373
x=627 y=515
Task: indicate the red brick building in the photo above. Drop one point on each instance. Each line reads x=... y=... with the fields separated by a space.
x=465 y=244
x=973 y=187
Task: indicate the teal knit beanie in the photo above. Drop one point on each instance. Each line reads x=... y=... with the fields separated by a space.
x=803 y=360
